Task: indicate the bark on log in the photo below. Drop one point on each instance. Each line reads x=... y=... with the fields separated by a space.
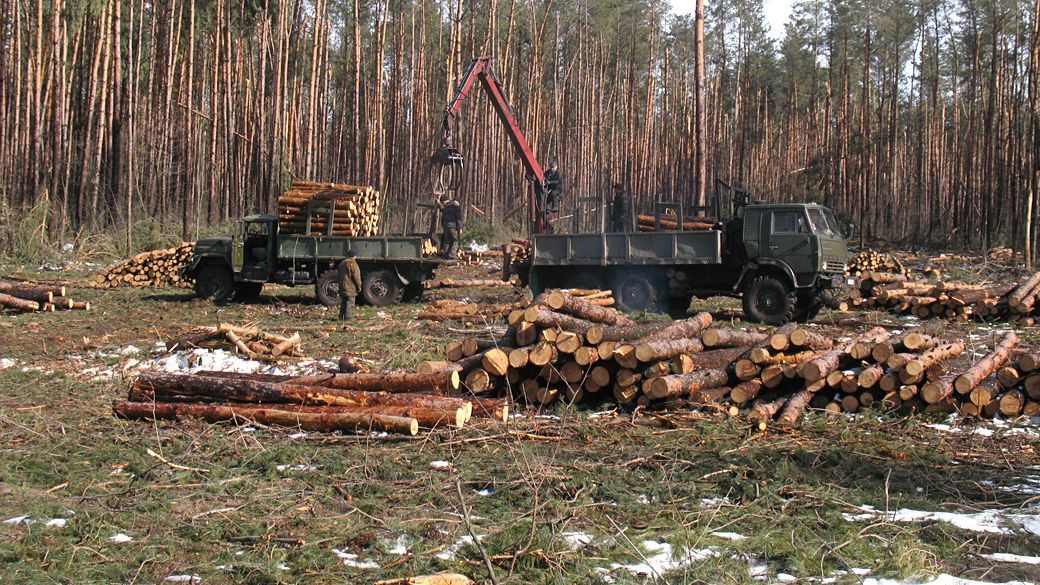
x=682 y=385
x=667 y=348
x=795 y=405
x=746 y=391
x=763 y=411
x=939 y=354
x=917 y=342
x=987 y=365
x=18 y=304
x=780 y=339
x=352 y=422
x=439 y=579
x=446 y=381
x=807 y=339
x=819 y=367
x=578 y=307
x=543 y=317
x=731 y=338
x=938 y=390
x=685 y=328
x=427 y=367
x=1026 y=289
x=597 y=334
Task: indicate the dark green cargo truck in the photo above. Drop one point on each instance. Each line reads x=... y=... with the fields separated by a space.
x=238 y=266
x=782 y=259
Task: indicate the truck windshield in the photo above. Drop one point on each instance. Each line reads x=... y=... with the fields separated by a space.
x=823 y=222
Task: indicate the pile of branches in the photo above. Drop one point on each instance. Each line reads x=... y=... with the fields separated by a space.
x=561 y=348
x=27 y=297
x=389 y=402
x=951 y=300
x=154 y=268
x=251 y=342
x=872 y=261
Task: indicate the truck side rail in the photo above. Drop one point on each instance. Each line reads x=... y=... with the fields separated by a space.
x=648 y=249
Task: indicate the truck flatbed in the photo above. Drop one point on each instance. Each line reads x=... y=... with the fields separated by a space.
x=628 y=249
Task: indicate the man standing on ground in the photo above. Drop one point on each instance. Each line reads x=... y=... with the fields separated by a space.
x=621 y=209
x=451 y=226
x=349 y=279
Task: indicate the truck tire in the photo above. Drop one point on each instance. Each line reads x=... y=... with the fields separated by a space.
x=380 y=288
x=413 y=291
x=247 y=292
x=215 y=283
x=768 y=300
x=634 y=293
x=327 y=289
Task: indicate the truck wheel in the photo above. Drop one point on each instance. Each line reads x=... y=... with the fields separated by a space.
x=767 y=300
x=380 y=288
x=634 y=293
x=215 y=283
x=809 y=306
x=413 y=291
x=248 y=292
x=327 y=288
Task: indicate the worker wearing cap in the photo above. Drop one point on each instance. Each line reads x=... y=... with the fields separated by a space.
x=349 y=279
x=620 y=209
x=451 y=226
x=553 y=187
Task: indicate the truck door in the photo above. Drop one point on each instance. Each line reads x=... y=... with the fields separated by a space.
x=789 y=239
x=257 y=251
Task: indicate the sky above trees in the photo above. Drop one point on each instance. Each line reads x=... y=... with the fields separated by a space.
x=776 y=12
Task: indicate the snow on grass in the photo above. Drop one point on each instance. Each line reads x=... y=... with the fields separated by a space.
x=300 y=468
x=7 y=363
x=576 y=540
x=120 y=538
x=728 y=535
x=192 y=579
x=351 y=560
x=399 y=546
x=991 y=521
x=200 y=359
x=660 y=558
x=56 y=523
x=1010 y=558
x=18 y=520
x=940 y=579
x=440 y=465
x=452 y=551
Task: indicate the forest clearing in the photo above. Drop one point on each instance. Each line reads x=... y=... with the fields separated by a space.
x=461 y=292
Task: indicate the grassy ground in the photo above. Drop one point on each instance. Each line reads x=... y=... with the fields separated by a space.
x=259 y=505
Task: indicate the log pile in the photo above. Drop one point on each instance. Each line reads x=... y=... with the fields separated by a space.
x=520 y=252
x=355 y=209
x=563 y=349
x=465 y=283
x=951 y=300
x=875 y=262
x=28 y=297
x=647 y=223
x=252 y=342
x=153 y=268
x=478 y=257
x=390 y=402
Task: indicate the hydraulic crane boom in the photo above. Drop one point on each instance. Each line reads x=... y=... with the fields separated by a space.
x=451 y=159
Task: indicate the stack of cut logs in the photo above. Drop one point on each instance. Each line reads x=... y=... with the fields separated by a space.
x=875 y=262
x=895 y=294
x=154 y=268
x=252 y=342
x=477 y=257
x=451 y=309
x=361 y=402
x=520 y=254
x=647 y=223
x=356 y=210
x=27 y=297
x=562 y=348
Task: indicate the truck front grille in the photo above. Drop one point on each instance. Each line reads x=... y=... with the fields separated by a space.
x=829 y=266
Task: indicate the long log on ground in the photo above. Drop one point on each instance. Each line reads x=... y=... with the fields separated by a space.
x=936 y=355
x=686 y=384
x=564 y=303
x=445 y=381
x=597 y=334
x=667 y=348
x=352 y=422
x=544 y=317
x=986 y=366
x=716 y=337
x=795 y=405
x=685 y=328
x=17 y=303
x=33 y=292
x=819 y=367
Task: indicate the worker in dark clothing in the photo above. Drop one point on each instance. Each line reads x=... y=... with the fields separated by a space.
x=621 y=209
x=553 y=188
x=349 y=279
x=451 y=224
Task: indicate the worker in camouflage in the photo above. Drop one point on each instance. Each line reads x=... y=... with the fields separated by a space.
x=621 y=209
x=349 y=279
x=451 y=226
x=553 y=187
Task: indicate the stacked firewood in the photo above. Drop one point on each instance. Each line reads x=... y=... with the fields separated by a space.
x=477 y=257
x=451 y=309
x=153 y=268
x=27 y=297
x=520 y=253
x=648 y=223
x=392 y=402
x=355 y=209
x=564 y=349
x=951 y=300
x=875 y=262
x=252 y=342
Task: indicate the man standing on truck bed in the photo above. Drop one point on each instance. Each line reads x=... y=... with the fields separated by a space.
x=553 y=188
x=621 y=209
x=451 y=225
x=349 y=278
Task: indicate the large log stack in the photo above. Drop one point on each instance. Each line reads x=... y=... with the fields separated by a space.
x=874 y=261
x=29 y=297
x=951 y=300
x=153 y=268
x=355 y=209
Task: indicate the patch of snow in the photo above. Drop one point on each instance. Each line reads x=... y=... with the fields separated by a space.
x=714 y=502
x=200 y=359
x=302 y=468
x=484 y=492
x=283 y=567
x=7 y=363
x=120 y=538
x=660 y=558
x=440 y=465
x=452 y=551
x=991 y=521
x=351 y=560
x=785 y=578
x=602 y=413
x=757 y=569
x=400 y=546
x=298 y=436
x=940 y=579
x=193 y=579
x=643 y=499
x=1010 y=558
x=129 y=350
x=473 y=246
x=728 y=535
x=576 y=540
x=56 y=523
x=19 y=520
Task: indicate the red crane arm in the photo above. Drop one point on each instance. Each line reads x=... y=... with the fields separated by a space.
x=480 y=69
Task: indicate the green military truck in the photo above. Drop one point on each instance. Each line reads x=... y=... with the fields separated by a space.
x=238 y=266
x=782 y=259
